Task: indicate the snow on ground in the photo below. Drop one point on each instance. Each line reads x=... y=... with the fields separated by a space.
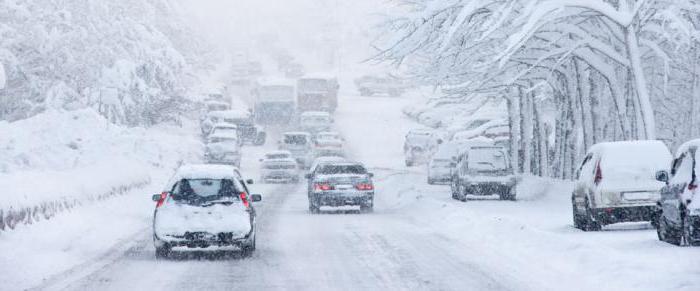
x=530 y=241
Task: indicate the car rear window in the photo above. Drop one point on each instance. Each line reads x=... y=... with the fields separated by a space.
x=342 y=169
x=295 y=139
x=487 y=159
x=201 y=190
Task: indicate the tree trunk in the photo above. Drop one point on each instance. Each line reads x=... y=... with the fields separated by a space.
x=645 y=107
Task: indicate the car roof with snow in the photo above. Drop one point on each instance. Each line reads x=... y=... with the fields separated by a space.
x=224 y=135
x=203 y=171
x=291 y=133
x=276 y=81
x=225 y=125
x=623 y=153
x=315 y=114
x=234 y=114
x=695 y=143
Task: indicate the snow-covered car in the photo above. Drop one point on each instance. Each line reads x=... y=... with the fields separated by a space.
x=677 y=217
x=419 y=146
x=341 y=184
x=328 y=144
x=616 y=182
x=279 y=167
x=476 y=126
x=223 y=148
x=440 y=169
x=248 y=131
x=315 y=121
x=483 y=170
x=390 y=85
x=224 y=128
x=204 y=206
x=299 y=144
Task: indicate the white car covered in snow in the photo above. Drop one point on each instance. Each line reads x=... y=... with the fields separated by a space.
x=204 y=206
x=327 y=144
x=223 y=148
x=315 y=121
x=484 y=170
x=616 y=182
x=279 y=167
x=419 y=146
x=299 y=144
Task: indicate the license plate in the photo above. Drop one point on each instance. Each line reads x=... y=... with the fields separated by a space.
x=344 y=187
x=637 y=195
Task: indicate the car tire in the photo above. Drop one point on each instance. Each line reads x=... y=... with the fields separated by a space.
x=409 y=164
x=591 y=223
x=163 y=251
x=453 y=189
x=461 y=193
x=667 y=233
x=366 y=208
x=314 y=209
x=509 y=196
x=431 y=182
x=248 y=250
x=687 y=233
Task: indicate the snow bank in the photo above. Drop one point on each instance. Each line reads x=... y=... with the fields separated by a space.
x=57 y=160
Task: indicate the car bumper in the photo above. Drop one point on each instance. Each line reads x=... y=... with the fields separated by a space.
x=488 y=188
x=202 y=239
x=342 y=199
x=624 y=214
x=280 y=177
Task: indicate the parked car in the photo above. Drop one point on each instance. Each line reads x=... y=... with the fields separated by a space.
x=419 y=146
x=204 y=206
x=223 y=148
x=616 y=183
x=224 y=128
x=390 y=85
x=279 y=167
x=483 y=170
x=677 y=217
x=341 y=184
x=299 y=144
x=440 y=169
x=315 y=121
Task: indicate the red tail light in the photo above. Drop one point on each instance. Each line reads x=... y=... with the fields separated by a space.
x=322 y=187
x=598 y=174
x=244 y=199
x=364 y=187
x=160 y=202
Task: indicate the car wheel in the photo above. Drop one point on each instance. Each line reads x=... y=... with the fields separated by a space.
x=163 y=251
x=591 y=223
x=461 y=193
x=688 y=232
x=666 y=233
x=409 y=164
x=366 y=208
x=453 y=189
x=313 y=208
x=431 y=182
x=510 y=195
x=578 y=219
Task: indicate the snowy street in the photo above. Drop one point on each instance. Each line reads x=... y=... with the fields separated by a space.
x=417 y=238
x=522 y=145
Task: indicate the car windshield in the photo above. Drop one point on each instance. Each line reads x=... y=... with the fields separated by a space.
x=295 y=139
x=487 y=159
x=277 y=156
x=341 y=169
x=198 y=191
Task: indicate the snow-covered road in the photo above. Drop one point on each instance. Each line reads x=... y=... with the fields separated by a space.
x=417 y=238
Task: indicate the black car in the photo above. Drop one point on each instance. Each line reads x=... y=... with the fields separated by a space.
x=677 y=218
x=341 y=184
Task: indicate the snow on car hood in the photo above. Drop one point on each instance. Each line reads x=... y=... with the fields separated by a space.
x=174 y=218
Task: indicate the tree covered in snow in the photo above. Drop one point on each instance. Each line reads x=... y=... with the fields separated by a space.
x=124 y=58
x=610 y=69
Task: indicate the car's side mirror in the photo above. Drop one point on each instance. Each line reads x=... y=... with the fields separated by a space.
x=256 y=197
x=250 y=181
x=158 y=197
x=307 y=176
x=371 y=175
x=662 y=176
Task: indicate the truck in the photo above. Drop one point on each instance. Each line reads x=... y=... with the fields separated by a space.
x=317 y=93
x=274 y=102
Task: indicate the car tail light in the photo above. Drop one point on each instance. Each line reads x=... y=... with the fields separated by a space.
x=322 y=187
x=598 y=174
x=160 y=202
x=244 y=199
x=364 y=187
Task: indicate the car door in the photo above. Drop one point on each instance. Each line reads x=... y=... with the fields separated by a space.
x=670 y=195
